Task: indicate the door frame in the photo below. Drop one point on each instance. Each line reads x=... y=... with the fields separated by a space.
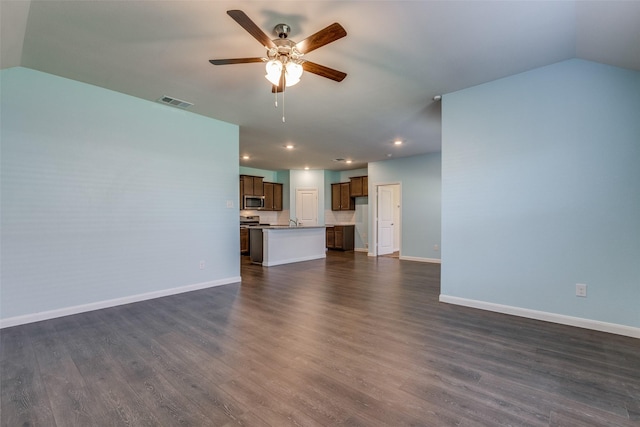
x=373 y=251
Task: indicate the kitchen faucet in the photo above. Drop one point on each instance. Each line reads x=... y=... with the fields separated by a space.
x=295 y=222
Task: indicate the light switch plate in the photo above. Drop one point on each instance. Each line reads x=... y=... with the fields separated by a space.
x=581 y=290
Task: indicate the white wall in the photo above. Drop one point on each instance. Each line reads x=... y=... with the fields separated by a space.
x=541 y=190
x=306 y=179
x=106 y=197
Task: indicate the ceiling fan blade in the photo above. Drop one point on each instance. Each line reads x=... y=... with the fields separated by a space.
x=325 y=36
x=323 y=71
x=235 y=61
x=245 y=22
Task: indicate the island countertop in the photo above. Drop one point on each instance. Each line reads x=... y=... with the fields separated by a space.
x=287 y=227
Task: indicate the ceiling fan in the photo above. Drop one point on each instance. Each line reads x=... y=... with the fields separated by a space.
x=284 y=62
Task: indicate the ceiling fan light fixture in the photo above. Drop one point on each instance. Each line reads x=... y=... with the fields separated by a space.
x=293 y=73
x=274 y=71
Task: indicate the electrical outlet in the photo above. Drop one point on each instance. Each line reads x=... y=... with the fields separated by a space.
x=229 y=203
x=201 y=265
x=436 y=247
x=581 y=290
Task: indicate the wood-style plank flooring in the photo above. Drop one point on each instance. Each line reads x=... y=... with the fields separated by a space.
x=350 y=340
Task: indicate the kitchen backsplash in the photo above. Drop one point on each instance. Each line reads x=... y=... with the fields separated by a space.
x=269 y=217
x=339 y=217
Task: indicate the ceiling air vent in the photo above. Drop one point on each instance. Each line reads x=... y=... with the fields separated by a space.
x=175 y=102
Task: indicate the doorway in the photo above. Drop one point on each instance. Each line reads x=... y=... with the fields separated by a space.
x=388 y=218
x=307 y=206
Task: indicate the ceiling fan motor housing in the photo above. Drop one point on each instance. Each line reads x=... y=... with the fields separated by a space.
x=282 y=31
x=284 y=47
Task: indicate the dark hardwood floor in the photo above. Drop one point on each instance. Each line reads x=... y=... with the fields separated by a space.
x=350 y=340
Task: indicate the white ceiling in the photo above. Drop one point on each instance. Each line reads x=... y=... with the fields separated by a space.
x=397 y=54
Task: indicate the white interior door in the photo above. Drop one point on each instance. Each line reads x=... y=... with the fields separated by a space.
x=385 y=219
x=307 y=206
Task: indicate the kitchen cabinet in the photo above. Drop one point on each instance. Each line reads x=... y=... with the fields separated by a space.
x=272 y=196
x=359 y=186
x=244 y=240
x=341 y=199
x=330 y=236
x=340 y=237
x=251 y=185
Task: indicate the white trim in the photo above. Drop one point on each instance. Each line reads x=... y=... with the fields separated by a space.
x=420 y=259
x=361 y=250
x=371 y=254
x=67 y=311
x=562 y=319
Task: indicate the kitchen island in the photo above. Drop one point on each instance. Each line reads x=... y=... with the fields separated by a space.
x=280 y=244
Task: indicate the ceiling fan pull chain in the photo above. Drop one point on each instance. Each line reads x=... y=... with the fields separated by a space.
x=282 y=83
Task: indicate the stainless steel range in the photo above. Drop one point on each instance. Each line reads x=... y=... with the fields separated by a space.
x=249 y=220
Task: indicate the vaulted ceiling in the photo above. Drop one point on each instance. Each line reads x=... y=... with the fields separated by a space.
x=397 y=55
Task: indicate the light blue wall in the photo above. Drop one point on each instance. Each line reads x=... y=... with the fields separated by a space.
x=345 y=175
x=283 y=176
x=307 y=179
x=268 y=175
x=541 y=190
x=106 y=196
x=330 y=177
x=420 y=180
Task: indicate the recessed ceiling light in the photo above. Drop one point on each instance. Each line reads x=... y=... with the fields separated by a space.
x=245 y=157
x=349 y=161
x=306 y=168
x=289 y=146
x=397 y=142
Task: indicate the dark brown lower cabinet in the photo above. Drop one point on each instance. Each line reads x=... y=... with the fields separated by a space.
x=340 y=237
x=244 y=240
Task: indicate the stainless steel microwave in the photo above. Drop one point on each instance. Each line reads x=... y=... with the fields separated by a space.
x=253 y=202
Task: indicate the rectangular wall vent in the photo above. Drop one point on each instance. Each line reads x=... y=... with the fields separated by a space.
x=175 y=102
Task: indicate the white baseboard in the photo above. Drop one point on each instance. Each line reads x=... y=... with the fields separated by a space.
x=67 y=311
x=419 y=259
x=562 y=319
x=361 y=250
x=411 y=258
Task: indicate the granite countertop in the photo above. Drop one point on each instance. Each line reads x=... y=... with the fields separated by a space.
x=286 y=227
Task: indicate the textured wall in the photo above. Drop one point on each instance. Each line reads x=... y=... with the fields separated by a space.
x=105 y=196
x=541 y=190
